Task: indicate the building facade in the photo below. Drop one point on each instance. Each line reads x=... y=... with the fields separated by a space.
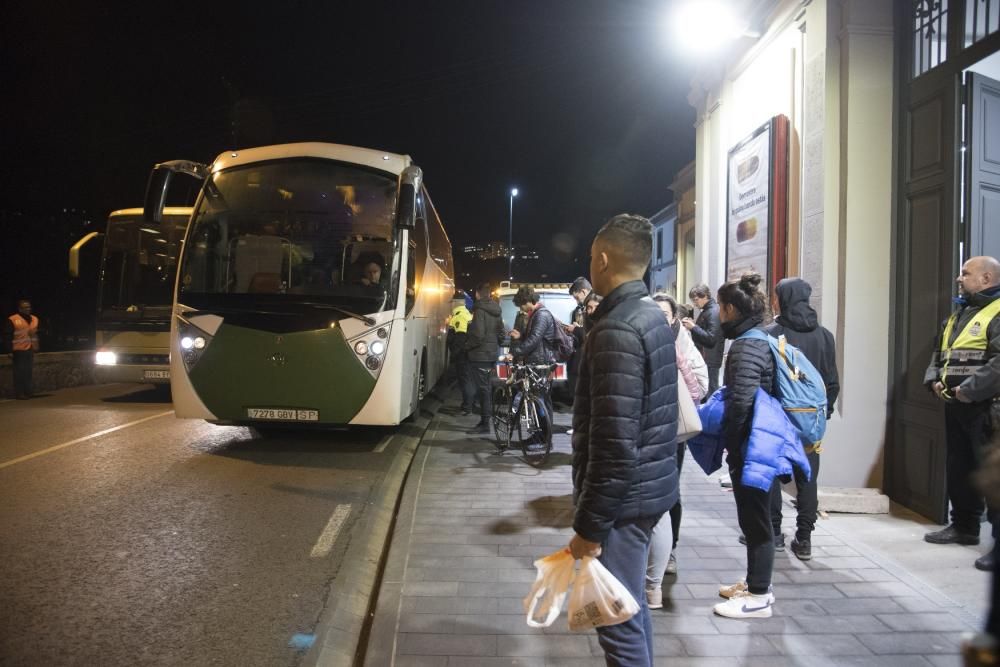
x=663 y=266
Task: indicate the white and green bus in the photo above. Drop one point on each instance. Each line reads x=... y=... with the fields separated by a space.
x=135 y=293
x=314 y=287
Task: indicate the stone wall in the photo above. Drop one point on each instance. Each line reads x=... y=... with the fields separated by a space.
x=53 y=370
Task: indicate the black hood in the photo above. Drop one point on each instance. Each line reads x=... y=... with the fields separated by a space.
x=488 y=305
x=793 y=301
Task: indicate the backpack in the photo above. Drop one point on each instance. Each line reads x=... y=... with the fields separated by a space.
x=801 y=389
x=562 y=344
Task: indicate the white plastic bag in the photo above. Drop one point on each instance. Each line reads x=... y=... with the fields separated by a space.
x=598 y=598
x=544 y=602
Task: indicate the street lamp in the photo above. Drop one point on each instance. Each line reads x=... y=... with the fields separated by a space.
x=705 y=26
x=510 y=237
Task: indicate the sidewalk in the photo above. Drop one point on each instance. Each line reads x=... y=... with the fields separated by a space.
x=471 y=523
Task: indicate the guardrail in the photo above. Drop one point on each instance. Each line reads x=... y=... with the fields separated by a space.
x=53 y=370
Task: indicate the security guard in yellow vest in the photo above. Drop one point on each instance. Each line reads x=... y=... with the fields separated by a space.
x=458 y=329
x=21 y=329
x=965 y=373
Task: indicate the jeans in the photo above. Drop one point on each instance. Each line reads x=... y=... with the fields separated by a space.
x=806 y=502
x=969 y=429
x=661 y=544
x=23 y=362
x=624 y=552
x=753 y=509
x=482 y=373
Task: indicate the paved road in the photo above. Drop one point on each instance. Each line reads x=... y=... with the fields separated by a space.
x=166 y=541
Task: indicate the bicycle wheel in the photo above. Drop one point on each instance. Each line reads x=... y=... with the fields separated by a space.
x=534 y=429
x=502 y=417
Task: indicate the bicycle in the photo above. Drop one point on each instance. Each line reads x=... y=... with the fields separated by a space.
x=520 y=408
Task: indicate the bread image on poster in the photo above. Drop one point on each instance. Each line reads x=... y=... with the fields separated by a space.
x=747 y=168
x=746 y=230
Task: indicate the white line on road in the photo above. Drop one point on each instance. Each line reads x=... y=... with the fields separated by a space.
x=49 y=450
x=385 y=443
x=329 y=534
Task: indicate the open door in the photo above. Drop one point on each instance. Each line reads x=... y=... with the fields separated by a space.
x=982 y=165
x=926 y=264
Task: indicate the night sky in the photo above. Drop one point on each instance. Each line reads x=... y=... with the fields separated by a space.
x=580 y=104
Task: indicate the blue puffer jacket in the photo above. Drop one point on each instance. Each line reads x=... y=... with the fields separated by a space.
x=771 y=450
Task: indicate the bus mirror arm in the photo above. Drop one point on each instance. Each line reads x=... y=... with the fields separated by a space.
x=159 y=184
x=409 y=187
x=74 y=253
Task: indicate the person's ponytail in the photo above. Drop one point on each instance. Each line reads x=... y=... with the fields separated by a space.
x=745 y=295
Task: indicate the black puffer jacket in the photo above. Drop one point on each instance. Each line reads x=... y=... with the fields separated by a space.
x=625 y=416
x=707 y=335
x=749 y=365
x=537 y=344
x=482 y=342
x=800 y=327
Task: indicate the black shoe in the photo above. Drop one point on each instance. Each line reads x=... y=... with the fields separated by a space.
x=952 y=535
x=987 y=562
x=802 y=548
x=482 y=428
x=466 y=412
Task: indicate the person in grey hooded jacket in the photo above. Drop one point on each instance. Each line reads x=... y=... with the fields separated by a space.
x=796 y=320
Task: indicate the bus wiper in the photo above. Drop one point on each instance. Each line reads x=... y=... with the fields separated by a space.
x=343 y=311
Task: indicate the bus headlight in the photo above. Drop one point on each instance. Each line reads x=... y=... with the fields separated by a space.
x=192 y=341
x=371 y=348
x=361 y=347
x=106 y=358
x=377 y=348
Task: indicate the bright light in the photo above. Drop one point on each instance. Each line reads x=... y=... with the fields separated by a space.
x=377 y=347
x=187 y=342
x=361 y=347
x=105 y=358
x=704 y=26
x=513 y=192
x=199 y=343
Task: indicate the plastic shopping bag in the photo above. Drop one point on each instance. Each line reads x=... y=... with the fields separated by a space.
x=544 y=602
x=598 y=598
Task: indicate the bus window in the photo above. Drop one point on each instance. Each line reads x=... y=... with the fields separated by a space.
x=439 y=244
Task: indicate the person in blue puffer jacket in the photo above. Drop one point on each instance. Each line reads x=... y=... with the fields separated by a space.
x=748 y=367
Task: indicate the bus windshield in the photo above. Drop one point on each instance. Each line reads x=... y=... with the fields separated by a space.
x=140 y=263
x=303 y=231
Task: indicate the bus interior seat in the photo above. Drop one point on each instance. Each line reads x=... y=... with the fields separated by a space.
x=264 y=283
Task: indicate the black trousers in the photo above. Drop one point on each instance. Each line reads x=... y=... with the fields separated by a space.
x=676 y=511
x=969 y=431
x=713 y=381
x=753 y=509
x=482 y=372
x=23 y=363
x=806 y=500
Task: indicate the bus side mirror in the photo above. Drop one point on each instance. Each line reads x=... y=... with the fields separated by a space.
x=159 y=185
x=409 y=187
x=74 y=253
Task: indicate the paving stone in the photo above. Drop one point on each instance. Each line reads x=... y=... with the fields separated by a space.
x=434 y=644
x=919 y=643
x=731 y=645
x=849 y=606
x=917 y=604
x=874 y=589
x=853 y=624
x=930 y=622
x=765 y=626
x=543 y=646
x=682 y=625
x=819 y=644
x=430 y=588
x=422 y=661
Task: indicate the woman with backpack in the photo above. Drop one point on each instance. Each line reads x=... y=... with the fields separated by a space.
x=749 y=367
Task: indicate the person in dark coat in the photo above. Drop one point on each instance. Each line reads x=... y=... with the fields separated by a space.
x=707 y=333
x=797 y=322
x=536 y=344
x=482 y=348
x=749 y=366
x=624 y=428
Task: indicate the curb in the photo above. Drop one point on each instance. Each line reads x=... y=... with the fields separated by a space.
x=342 y=628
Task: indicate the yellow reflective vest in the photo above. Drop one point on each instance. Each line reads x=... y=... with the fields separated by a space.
x=459 y=320
x=962 y=357
x=25 y=336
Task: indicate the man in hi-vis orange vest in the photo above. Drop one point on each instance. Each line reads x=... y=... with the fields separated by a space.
x=22 y=332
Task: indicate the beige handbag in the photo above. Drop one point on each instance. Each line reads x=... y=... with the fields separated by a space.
x=688 y=419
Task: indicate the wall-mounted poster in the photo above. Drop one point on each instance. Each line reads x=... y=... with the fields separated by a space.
x=758 y=168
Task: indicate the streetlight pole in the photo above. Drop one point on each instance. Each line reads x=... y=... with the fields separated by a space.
x=510 y=237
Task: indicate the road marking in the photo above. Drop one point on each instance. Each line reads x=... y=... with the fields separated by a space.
x=28 y=457
x=385 y=443
x=329 y=535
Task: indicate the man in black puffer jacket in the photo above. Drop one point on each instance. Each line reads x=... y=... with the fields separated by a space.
x=536 y=345
x=797 y=322
x=624 y=427
x=482 y=347
x=707 y=334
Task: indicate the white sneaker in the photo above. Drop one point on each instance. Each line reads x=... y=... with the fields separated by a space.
x=746 y=606
x=726 y=482
x=569 y=431
x=654 y=598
